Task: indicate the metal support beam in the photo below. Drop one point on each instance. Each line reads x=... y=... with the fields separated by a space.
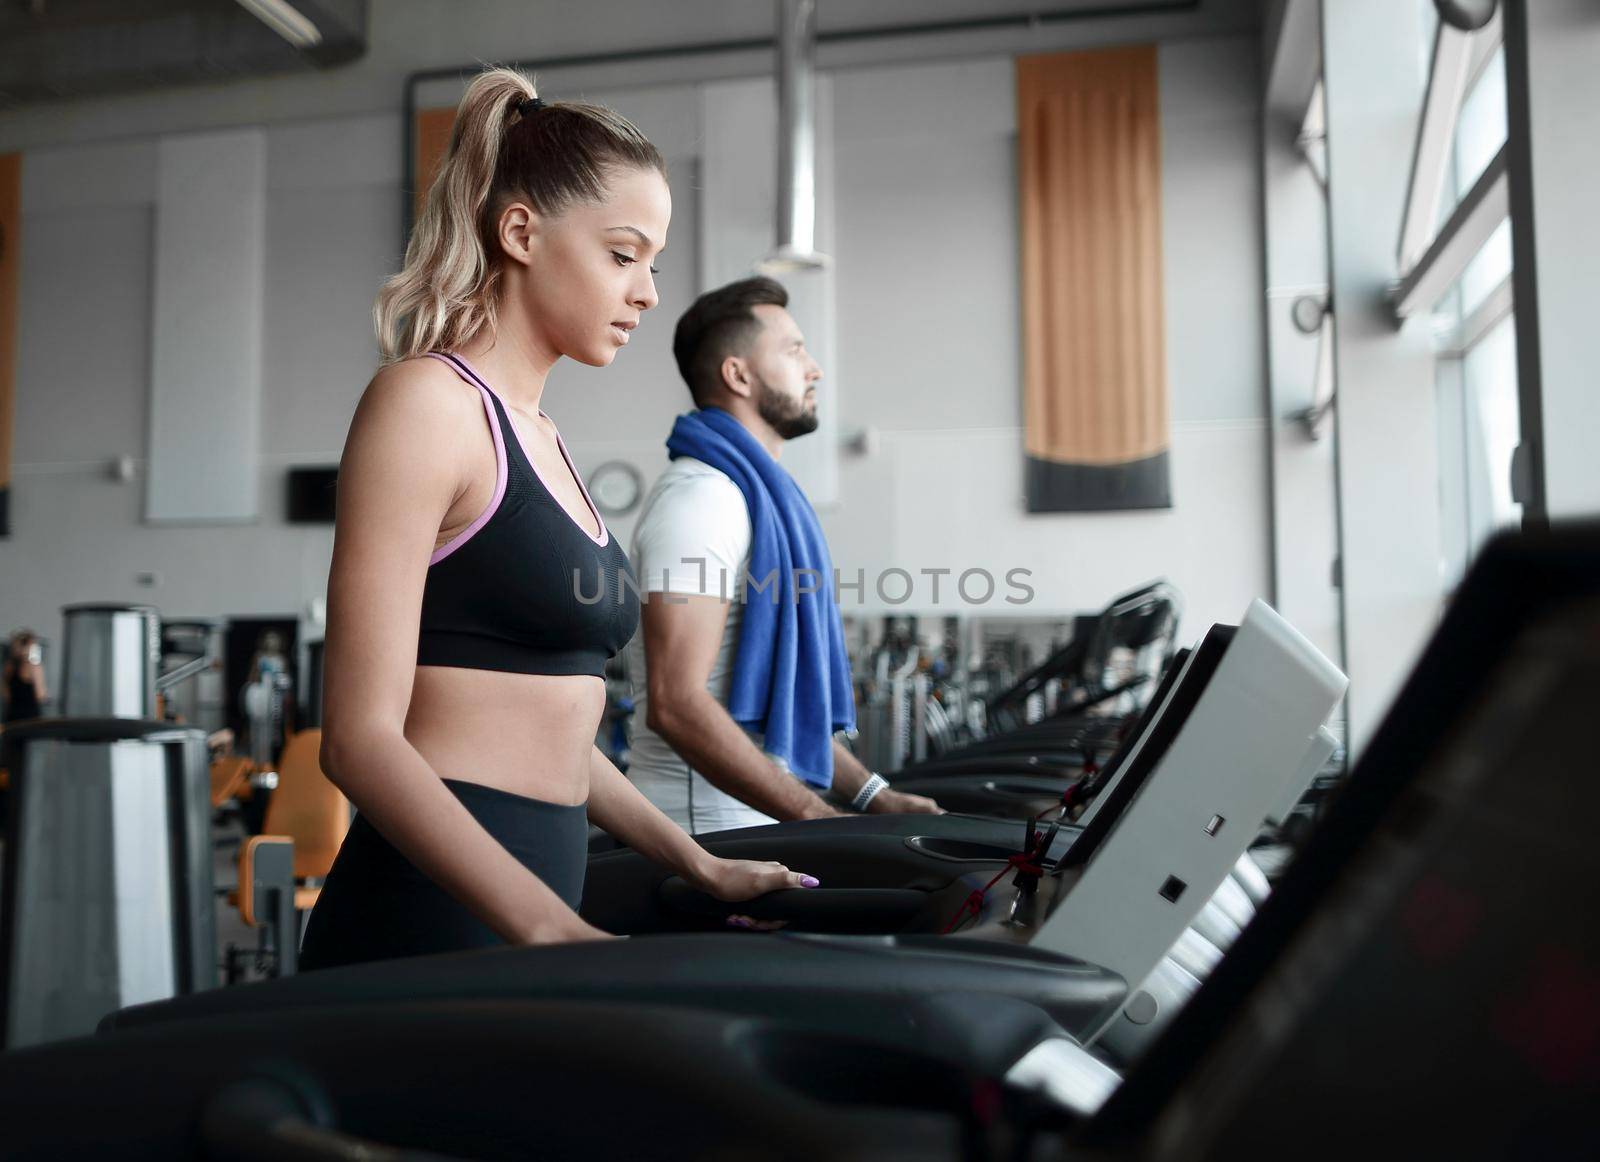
x=1295 y=252
x=1553 y=120
x=1459 y=59
x=1313 y=138
x=1480 y=213
x=1430 y=161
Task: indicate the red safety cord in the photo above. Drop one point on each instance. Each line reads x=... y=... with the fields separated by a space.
x=1078 y=792
x=1024 y=863
x=1030 y=862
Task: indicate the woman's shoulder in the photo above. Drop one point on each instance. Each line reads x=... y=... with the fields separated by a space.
x=421 y=391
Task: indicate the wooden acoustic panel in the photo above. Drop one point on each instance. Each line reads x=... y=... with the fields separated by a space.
x=10 y=274
x=1094 y=357
x=431 y=136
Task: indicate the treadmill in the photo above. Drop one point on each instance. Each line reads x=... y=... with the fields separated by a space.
x=1398 y=987
x=1135 y=620
x=1006 y=772
x=904 y=874
x=1426 y=974
x=1088 y=931
x=624 y=890
x=1033 y=771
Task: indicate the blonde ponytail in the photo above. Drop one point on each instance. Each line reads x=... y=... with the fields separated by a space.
x=556 y=154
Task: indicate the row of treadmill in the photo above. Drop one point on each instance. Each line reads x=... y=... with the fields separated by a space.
x=1082 y=960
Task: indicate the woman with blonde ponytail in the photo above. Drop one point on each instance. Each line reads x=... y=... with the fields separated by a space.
x=476 y=593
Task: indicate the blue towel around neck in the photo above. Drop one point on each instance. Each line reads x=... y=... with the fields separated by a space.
x=791 y=675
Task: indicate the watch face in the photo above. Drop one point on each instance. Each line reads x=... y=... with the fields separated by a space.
x=616 y=487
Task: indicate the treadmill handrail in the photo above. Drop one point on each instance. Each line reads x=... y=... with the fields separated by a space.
x=802 y=904
x=262 y=1119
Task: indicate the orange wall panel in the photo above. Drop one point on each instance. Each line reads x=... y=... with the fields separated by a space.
x=432 y=129
x=1094 y=357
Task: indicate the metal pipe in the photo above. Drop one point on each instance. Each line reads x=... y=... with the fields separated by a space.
x=795 y=247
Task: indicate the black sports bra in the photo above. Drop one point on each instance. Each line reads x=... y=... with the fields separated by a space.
x=524 y=588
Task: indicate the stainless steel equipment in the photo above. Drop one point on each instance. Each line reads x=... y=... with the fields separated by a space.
x=111 y=658
x=107 y=897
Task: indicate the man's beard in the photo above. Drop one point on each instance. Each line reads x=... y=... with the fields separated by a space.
x=788 y=417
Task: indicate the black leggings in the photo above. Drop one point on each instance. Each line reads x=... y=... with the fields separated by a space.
x=376 y=905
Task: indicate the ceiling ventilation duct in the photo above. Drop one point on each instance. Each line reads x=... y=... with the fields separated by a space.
x=797 y=141
x=61 y=49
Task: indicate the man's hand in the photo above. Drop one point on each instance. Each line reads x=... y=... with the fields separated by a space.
x=887 y=802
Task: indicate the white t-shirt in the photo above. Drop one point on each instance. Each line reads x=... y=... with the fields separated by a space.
x=693 y=537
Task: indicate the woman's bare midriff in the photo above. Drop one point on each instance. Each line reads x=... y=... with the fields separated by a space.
x=529 y=734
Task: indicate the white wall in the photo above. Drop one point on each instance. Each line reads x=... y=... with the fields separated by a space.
x=924 y=238
x=84 y=368
x=927 y=346
x=929 y=341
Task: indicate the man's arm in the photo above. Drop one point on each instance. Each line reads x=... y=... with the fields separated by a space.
x=849 y=776
x=681 y=636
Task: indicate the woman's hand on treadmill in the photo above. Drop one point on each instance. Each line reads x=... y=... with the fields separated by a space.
x=745 y=879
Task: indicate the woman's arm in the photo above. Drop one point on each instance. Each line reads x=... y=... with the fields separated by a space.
x=405 y=466
x=621 y=809
x=27 y=671
x=36 y=676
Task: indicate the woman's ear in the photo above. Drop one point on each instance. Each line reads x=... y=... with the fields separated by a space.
x=519 y=232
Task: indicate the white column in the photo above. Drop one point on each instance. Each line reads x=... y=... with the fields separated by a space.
x=1385 y=417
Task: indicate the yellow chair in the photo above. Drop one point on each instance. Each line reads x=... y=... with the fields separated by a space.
x=307 y=813
x=305 y=809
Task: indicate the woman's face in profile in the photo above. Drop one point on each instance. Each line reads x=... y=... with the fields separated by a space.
x=590 y=277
